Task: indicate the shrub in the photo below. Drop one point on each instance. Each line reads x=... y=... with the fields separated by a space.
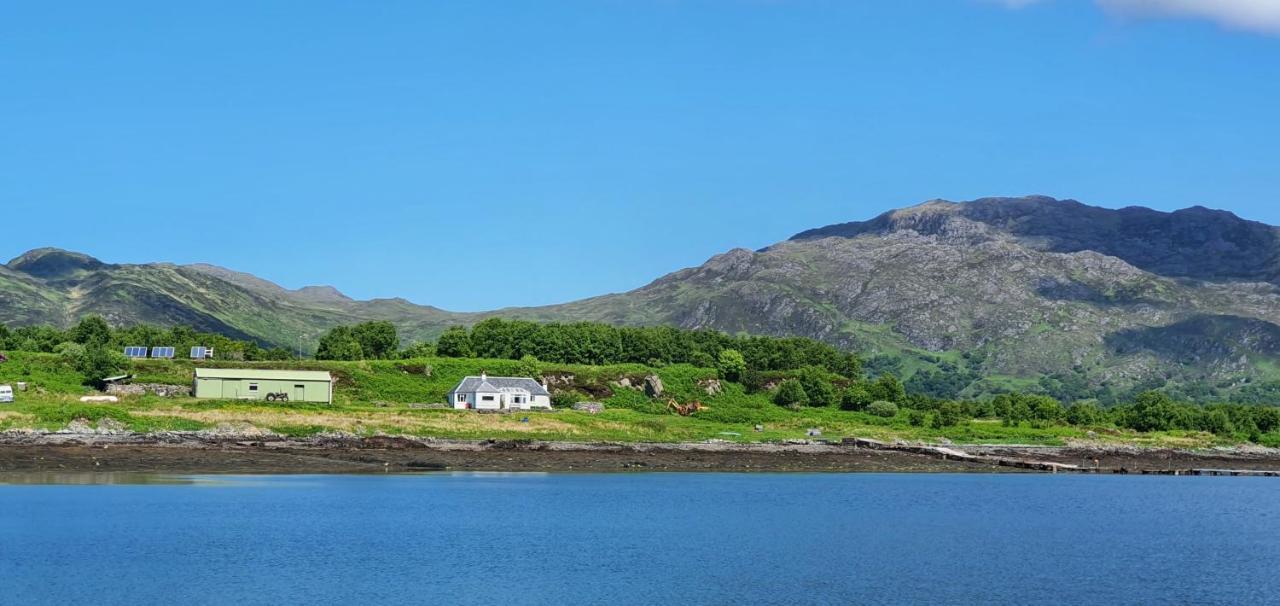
x=97 y=363
x=888 y=388
x=818 y=387
x=791 y=394
x=732 y=364
x=916 y=418
x=528 y=367
x=565 y=399
x=418 y=350
x=340 y=343
x=881 y=408
x=856 y=397
x=1083 y=414
x=948 y=414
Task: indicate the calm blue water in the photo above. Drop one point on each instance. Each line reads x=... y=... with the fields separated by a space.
x=645 y=539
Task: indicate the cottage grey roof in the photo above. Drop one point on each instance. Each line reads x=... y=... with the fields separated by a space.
x=495 y=384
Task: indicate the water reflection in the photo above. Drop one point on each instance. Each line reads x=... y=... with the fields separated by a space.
x=93 y=478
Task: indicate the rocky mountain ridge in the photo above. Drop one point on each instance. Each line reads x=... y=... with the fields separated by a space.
x=1011 y=289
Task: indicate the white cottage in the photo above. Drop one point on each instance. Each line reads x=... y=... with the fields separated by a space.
x=499 y=393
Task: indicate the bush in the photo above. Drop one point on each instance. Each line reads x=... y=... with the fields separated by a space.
x=856 y=397
x=881 y=408
x=418 y=350
x=529 y=367
x=818 y=387
x=888 y=388
x=916 y=418
x=791 y=394
x=948 y=415
x=97 y=363
x=1083 y=414
x=340 y=343
x=732 y=364
x=565 y=399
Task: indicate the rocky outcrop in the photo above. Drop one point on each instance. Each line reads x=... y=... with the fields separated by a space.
x=653 y=386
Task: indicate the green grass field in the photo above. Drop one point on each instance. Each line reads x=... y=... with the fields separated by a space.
x=381 y=398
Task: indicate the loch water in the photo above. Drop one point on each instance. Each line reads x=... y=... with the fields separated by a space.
x=639 y=539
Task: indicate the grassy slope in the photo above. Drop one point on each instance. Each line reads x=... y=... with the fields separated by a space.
x=373 y=397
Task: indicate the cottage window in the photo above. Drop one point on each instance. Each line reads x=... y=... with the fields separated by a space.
x=462 y=397
x=487 y=398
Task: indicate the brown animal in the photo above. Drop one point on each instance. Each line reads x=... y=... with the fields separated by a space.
x=684 y=410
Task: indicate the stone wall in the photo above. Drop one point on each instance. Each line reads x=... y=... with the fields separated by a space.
x=142 y=389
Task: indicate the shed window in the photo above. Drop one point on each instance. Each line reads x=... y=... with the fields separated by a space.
x=253 y=387
x=299 y=386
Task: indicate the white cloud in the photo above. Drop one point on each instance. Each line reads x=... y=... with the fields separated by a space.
x=1253 y=15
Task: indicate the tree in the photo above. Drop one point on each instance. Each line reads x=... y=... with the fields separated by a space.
x=419 y=350
x=97 y=362
x=1216 y=421
x=1153 y=411
x=92 y=330
x=791 y=394
x=818 y=387
x=1083 y=413
x=339 y=343
x=378 y=340
x=888 y=388
x=856 y=397
x=455 y=343
x=528 y=367
x=947 y=415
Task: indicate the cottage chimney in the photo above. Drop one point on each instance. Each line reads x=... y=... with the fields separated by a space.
x=483 y=376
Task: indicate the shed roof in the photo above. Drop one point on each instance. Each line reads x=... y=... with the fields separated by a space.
x=263 y=374
x=494 y=384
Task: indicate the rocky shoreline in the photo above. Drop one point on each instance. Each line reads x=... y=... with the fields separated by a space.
x=206 y=452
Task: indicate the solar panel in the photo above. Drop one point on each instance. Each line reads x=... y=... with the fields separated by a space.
x=161 y=352
x=135 y=352
x=199 y=353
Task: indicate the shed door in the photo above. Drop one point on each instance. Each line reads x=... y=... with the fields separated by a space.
x=299 y=393
x=230 y=390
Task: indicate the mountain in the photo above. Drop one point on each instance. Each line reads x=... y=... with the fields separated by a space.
x=57 y=287
x=1010 y=289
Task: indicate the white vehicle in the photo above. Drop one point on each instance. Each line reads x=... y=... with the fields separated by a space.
x=6 y=393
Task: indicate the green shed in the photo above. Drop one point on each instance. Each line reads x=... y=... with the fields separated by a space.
x=255 y=384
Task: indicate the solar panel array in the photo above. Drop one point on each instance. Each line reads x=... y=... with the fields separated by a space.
x=162 y=352
x=135 y=352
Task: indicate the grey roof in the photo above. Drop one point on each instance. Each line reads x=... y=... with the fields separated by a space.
x=494 y=384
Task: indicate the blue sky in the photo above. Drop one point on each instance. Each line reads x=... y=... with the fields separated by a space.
x=474 y=155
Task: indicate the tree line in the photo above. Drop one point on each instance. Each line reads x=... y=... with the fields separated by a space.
x=94 y=331
x=603 y=344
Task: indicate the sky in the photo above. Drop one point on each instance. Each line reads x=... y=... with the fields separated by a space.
x=477 y=155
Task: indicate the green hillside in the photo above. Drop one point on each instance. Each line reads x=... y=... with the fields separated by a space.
x=388 y=398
